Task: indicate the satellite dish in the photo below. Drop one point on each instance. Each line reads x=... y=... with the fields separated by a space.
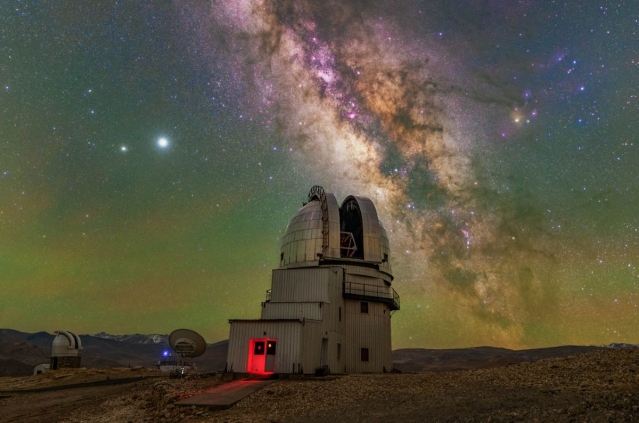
x=187 y=343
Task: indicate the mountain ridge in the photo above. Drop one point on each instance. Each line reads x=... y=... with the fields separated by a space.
x=20 y=351
x=136 y=338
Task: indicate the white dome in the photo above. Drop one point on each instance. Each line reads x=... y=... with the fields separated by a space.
x=322 y=231
x=65 y=344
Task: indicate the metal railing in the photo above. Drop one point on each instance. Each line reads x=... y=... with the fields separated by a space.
x=372 y=292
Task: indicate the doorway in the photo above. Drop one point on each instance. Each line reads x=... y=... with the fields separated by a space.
x=324 y=353
x=262 y=353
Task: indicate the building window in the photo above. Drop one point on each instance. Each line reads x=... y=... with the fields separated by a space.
x=339 y=351
x=364 y=307
x=258 y=348
x=270 y=347
x=281 y=258
x=340 y=314
x=364 y=354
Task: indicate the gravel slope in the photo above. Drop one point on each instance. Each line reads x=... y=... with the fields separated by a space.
x=600 y=386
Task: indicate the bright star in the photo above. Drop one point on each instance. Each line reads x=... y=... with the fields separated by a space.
x=163 y=143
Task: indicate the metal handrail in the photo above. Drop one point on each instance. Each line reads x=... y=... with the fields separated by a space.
x=372 y=291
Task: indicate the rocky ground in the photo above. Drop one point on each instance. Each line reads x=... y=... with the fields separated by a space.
x=63 y=377
x=601 y=386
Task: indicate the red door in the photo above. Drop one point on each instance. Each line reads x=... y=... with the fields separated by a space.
x=261 y=359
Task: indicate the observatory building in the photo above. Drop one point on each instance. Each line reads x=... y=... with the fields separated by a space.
x=65 y=351
x=331 y=300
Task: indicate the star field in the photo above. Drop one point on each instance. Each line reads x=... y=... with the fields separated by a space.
x=152 y=154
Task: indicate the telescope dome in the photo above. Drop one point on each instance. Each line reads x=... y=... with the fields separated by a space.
x=65 y=344
x=321 y=232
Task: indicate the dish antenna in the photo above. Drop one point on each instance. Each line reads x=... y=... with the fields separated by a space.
x=187 y=343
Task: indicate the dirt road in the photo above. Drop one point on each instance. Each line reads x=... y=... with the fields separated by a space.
x=55 y=406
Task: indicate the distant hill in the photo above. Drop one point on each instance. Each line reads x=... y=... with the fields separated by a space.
x=20 y=351
x=425 y=360
x=29 y=349
x=11 y=367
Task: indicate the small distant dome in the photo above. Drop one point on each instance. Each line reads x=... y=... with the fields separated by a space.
x=323 y=231
x=65 y=344
x=41 y=368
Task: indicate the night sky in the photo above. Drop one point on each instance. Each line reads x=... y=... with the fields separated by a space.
x=152 y=153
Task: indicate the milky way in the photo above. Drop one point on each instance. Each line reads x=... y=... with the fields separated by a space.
x=381 y=112
x=496 y=140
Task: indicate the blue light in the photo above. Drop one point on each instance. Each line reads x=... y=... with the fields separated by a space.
x=165 y=353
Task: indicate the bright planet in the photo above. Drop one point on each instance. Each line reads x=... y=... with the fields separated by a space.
x=163 y=142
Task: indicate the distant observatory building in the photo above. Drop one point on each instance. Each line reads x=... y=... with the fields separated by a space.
x=331 y=300
x=65 y=351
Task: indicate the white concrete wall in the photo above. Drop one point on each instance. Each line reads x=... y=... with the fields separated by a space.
x=367 y=271
x=287 y=333
x=300 y=285
x=314 y=295
x=292 y=310
x=370 y=331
